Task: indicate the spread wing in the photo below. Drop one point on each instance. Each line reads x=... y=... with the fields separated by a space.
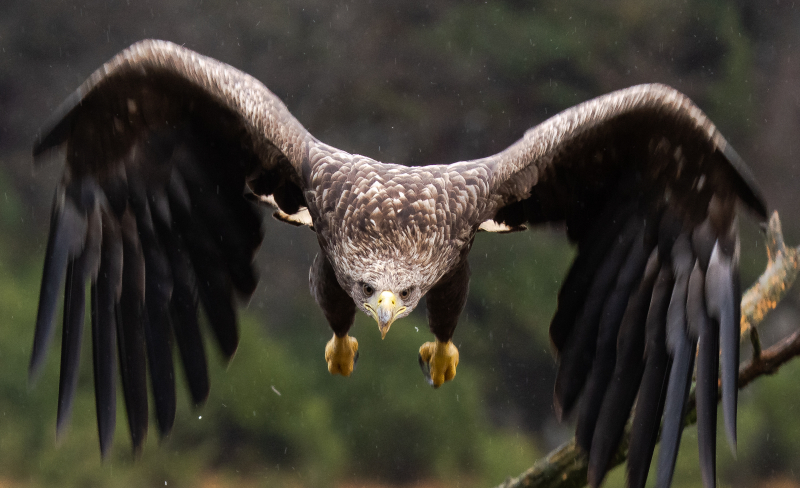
x=160 y=145
x=647 y=188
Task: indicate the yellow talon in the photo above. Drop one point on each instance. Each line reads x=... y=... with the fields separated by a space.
x=438 y=361
x=341 y=353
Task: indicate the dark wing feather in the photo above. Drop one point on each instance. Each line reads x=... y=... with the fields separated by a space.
x=78 y=271
x=723 y=295
x=608 y=330
x=130 y=331
x=680 y=379
x=184 y=303
x=70 y=342
x=579 y=351
x=616 y=405
x=653 y=390
x=160 y=145
x=681 y=348
x=646 y=156
x=68 y=226
x=606 y=229
x=707 y=332
x=105 y=295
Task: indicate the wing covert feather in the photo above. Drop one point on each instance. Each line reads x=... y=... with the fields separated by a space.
x=152 y=84
x=593 y=141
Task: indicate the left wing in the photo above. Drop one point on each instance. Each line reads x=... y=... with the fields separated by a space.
x=647 y=188
x=160 y=145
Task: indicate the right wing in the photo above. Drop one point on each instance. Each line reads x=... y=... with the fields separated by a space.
x=160 y=144
x=648 y=190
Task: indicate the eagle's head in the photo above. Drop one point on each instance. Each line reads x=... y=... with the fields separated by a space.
x=387 y=278
x=387 y=291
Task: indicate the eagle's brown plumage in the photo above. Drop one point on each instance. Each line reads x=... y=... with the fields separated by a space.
x=162 y=144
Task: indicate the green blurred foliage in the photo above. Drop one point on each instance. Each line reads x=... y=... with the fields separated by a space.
x=402 y=81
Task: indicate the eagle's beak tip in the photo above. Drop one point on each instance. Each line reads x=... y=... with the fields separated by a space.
x=384 y=328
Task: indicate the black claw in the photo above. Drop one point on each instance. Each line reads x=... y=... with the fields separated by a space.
x=426 y=370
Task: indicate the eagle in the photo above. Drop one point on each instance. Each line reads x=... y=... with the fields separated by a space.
x=170 y=155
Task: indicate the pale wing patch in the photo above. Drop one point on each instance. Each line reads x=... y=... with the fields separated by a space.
x=301 y=217
x=492 y=226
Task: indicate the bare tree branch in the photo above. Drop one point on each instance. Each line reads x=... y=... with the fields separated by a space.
x=565 y=467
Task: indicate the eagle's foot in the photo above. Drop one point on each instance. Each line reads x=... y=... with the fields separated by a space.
x=438 y=361
x=341 y=353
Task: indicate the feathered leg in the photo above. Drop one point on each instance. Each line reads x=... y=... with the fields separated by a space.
x=445 y=301
x=341 y=352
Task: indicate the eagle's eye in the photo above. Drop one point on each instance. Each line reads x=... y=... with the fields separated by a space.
x=405 y=293
x=368 y=290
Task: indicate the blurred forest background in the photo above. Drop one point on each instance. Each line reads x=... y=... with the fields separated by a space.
x=412 y=82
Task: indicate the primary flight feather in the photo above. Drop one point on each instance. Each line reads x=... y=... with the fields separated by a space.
x=167 y=151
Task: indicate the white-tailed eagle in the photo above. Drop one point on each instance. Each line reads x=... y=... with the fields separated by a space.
x=168 y=153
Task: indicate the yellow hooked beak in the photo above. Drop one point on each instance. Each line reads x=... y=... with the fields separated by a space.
x=384 y=310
